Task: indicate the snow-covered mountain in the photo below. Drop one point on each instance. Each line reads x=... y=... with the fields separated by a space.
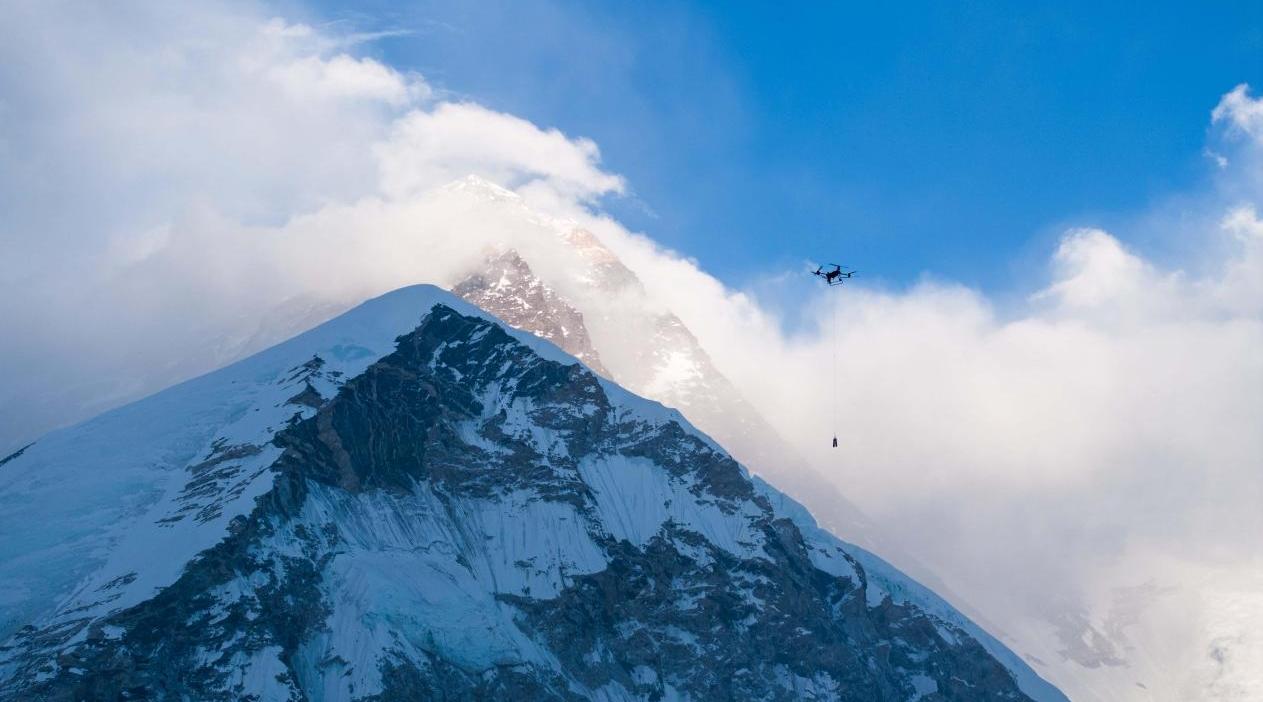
x=415 y=501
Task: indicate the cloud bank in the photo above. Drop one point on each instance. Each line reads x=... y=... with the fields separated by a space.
x=1084 y=467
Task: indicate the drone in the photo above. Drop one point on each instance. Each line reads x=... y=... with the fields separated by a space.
x=833 y=277
x=837 y=276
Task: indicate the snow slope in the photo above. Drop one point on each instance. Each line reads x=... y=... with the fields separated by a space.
x=414 y=500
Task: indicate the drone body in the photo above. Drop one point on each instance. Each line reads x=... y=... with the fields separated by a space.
x=837 y=276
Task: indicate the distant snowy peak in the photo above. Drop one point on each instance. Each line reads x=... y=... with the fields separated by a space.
x=413 y=501
x=481 y=188
x=507 y=288
x=606 y=272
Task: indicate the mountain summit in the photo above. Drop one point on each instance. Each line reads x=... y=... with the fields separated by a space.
x=413 y=501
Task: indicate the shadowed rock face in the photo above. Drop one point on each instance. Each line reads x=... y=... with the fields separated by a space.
x=468 y=520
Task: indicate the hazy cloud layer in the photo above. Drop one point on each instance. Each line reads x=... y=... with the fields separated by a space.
x=180 y=185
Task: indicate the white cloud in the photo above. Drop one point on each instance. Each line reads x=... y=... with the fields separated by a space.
x=1242 y=112
x=1096 y=274
x=1217 y=158
x=342 y=77
x=309 y=65
x=1241 y=285
x=427 y=149
x=153 y=156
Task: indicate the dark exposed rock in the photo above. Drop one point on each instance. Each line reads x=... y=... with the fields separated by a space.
x=309 y=397
x=15 y=454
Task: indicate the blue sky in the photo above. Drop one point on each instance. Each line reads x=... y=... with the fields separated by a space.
x=912 y=138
